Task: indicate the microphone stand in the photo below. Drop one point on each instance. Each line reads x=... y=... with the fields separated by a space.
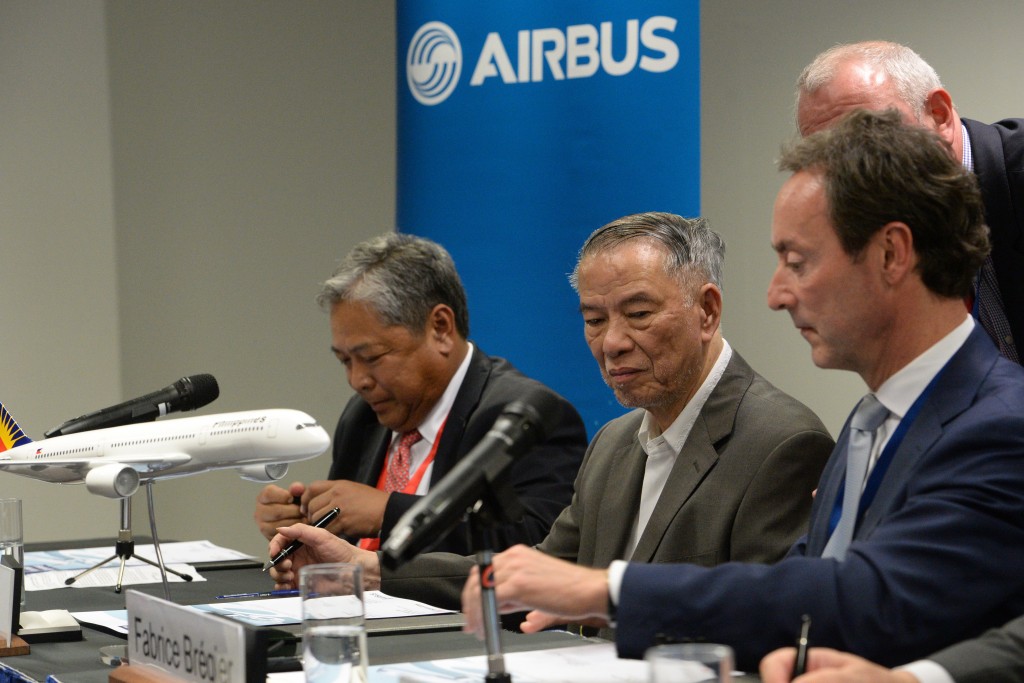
x=498 y=505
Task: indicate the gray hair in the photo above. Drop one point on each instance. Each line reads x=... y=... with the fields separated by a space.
x=912 y=77
x=402 y=277
x=694 y=249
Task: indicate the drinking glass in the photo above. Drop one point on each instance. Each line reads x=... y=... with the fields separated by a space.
x=333 y=623
x=690 y=662
x=12 y=541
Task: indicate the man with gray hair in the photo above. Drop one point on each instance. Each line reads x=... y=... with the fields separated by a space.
x=425 y=396
x=715 y=465
x=878 y=234
x=878 y=75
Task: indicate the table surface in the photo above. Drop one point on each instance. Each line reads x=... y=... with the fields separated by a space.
x=79 y=661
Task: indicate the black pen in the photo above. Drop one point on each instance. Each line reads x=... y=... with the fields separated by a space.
x=800 y=666
x=296 y=544
x=261 y=594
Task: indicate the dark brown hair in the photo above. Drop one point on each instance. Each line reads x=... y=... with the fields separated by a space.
x=878 y=170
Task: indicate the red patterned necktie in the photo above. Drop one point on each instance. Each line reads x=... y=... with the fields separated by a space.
x=398 y=465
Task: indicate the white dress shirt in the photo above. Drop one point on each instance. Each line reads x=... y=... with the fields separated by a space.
x=898 y=394
x=662 y=451
x=662 y=448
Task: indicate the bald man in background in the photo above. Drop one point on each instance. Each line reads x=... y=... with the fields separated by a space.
x=878 y=75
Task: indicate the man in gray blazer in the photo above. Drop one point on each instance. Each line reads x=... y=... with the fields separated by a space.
x=715 y=465
x=997 y=656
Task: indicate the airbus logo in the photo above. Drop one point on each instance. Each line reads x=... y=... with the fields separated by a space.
x=434 y=60
x=433 y=63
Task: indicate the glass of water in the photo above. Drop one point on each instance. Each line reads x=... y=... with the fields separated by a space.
x=333 y=623
x=690 y=662
x=12 y=541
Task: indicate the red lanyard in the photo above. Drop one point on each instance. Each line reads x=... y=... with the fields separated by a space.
x=410 y=487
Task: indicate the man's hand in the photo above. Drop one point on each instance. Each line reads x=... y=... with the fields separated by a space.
x=275 y=507
x=557 y=591
x=318 y=545
x=828 y=666
x=362 y=507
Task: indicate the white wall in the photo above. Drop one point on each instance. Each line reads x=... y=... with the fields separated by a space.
x=752 y=52
x=60 y=351
x=176 y=177
x=253 y=145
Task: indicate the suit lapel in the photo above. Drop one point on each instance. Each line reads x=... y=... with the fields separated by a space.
x=953 y=393
x=831 y=482
x=694 y=462
x=615 y=528
x=698 y=455
x=376 y=446
x=465 y=403
x=989 y=146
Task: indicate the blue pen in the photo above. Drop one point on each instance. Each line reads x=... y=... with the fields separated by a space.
x=263 y=594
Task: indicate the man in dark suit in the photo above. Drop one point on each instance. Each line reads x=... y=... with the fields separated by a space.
x=879 y=233
x=424 y=397
x=715 y=465
x=877 y=75
x=995 y=657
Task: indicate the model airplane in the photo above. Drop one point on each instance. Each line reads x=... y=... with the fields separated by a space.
x=112 y=462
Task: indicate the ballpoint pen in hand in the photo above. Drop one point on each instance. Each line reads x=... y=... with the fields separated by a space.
x=296 y=544
x=800 y=666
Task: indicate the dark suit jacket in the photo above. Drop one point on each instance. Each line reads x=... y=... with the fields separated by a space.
x=995 y=657
x=542 y=479
x=740 y=490
x=935 y=560
x=998 y=151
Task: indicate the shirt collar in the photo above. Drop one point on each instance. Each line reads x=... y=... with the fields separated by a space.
x=900 y=391
x=968 y=155
x=677 y=433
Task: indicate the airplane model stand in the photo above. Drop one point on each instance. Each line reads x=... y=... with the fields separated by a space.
x=124 y=548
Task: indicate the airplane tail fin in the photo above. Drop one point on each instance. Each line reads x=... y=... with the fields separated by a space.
x=10 y=433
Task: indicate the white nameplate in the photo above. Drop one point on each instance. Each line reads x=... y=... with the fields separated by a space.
x=189 y=644
x=8 y=601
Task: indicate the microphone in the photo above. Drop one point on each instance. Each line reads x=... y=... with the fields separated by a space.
x=520 y=425
x=188 y=393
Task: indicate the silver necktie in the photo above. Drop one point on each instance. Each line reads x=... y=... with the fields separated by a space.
x=868 y=417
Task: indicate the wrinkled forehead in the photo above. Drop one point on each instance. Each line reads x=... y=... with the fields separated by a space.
x=853 y=86
x=627 y=259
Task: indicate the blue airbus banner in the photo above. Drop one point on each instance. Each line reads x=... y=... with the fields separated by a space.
x=524 y=126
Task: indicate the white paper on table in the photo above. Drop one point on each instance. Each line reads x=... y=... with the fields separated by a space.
x=107 y=576
x=278 y=611
x=287 y=677
x=183 y=552
x=596 y=663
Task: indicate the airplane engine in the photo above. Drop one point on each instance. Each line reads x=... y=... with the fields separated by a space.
x=112 y=481
x=263 y=473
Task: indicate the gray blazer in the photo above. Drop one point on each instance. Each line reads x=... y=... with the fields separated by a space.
x=739 y=491
x=995 y=657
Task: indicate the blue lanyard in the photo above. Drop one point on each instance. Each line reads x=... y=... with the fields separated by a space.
x=884 y=460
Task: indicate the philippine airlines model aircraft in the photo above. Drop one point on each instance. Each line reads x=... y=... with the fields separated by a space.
x=112 y=462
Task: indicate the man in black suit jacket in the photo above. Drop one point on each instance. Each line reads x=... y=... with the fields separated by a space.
x=399 y=326
x=995 y=657
x=878 y=75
